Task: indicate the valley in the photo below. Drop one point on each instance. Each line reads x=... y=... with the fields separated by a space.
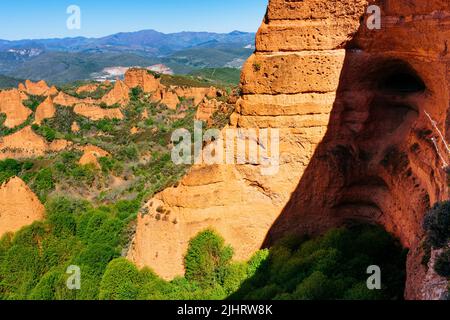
x=58 y=61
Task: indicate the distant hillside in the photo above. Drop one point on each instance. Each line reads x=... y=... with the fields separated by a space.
x=229 y=76
x=8 y=82
x=217 y=77
x=61 y=67
x=209 y=57
x=70 y=59
x=150 y=41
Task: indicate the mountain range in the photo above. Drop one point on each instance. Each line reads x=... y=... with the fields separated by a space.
x=69 y=59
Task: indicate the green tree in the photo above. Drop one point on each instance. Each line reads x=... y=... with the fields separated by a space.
x=121 y=281
x=207 y=258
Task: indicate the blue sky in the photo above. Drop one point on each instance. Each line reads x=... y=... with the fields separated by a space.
x=34 y=19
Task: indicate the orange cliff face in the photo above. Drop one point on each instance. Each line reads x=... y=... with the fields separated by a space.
x=292 y=91
x=91 y=154
x=143 y=79
x=46 y=110
x=353 y=107
x=25 y=143
x=169 y=99
x=378 y=161
x=207 y=108
x=19 y=206
x=118 y=95
x=11 y=105
x=64 y=99
x=88 y=88
x=96 y=113
x=162 y=94
x=197 y=94
x=39 y=88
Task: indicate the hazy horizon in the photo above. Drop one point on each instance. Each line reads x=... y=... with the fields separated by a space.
x=31 y=20
x=106 y=35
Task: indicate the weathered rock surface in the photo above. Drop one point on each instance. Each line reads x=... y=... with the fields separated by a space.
x=88 y=88
x=46 y=110
x=207 y=108
x=91 y=154
x=157 y=96
x=39 y=88
x=134 y=130
x=19 y=206
x=66 y=100
x=435 y=287
x=203 y=199
x=118 y=95
x=168 y=96
x=90 y=108
x=26 y=144
x=293 y=72
x=169 y=99
x=353 y=107
x=96 y=113
x=75 y=127
x=53 y=91
x=143 y=79
x=197 y=94
x=11 y=105
x=145 y=114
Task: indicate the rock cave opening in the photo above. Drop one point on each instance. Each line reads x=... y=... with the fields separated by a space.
x=393 y=112
x=382 y=180
x=367 y=169
x=397 y=77
x=375 y=176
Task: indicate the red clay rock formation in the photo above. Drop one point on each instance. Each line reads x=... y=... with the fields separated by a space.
x=377 y=161
x=197 y=94
x=158 y=94
x=66 y=100
x=143 y=79
x=169 y=99
x=75 y=127
x=207 y=108
x=11 y=105
x=19 y=206
x=91 y=154
x=53 y=91
x=167 y=96
x=237 y=200
x=118 y=95
x=353 y=107
x=39 y=88
x=89 y=88
x=134 y=130
x=95 y=113
x=27 y=144
x=282 y=90
x=208 y=196
x=45 y=110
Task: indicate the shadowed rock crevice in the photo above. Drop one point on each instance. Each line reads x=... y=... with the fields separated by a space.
x=397 y=77
x=377 y=162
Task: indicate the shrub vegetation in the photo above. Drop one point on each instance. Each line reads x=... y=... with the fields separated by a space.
x=437 y=228
x=34 y=261
x=332 y=266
